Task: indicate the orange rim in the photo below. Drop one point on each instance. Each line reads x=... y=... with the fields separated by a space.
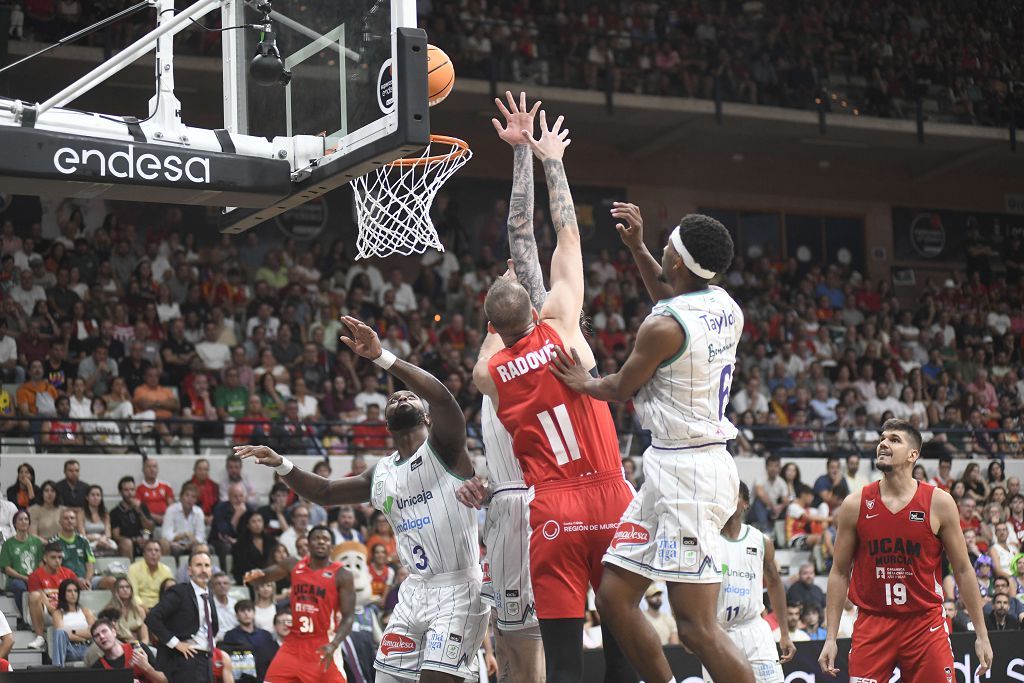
x=459 y=149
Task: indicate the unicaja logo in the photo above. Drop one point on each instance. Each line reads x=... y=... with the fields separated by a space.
x=125 y=164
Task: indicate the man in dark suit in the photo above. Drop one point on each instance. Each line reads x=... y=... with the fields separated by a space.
x=185 y=621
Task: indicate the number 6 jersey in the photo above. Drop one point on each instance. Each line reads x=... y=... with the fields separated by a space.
x=896 y=564
x=556 y=432
x=685 y=399
x=436 y=534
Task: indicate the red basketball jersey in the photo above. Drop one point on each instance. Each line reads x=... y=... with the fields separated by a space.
x=314 y=599
x=155 y=497
x=556 y=432
x=896 y=564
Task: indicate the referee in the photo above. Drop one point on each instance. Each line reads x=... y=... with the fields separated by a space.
x=185 y=621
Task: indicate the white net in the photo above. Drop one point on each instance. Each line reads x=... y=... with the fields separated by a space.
x=393 y=202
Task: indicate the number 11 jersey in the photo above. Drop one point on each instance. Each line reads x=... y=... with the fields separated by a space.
x=556 y=433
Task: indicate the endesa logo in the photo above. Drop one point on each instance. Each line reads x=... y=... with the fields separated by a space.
x=124 y=164
x=630 y=534
x=397 y=643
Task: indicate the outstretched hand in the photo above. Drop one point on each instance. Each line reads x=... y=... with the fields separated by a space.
x=632 y=232
x=552 y=142
x=264 y=455
x=363 y=340
x=569 y=371
x=518 y=120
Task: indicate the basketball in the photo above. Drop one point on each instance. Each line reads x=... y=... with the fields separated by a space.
x=440 y=75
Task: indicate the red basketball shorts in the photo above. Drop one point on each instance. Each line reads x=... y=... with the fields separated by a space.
x=917 y=643
x=299 y=662
x=571 y=524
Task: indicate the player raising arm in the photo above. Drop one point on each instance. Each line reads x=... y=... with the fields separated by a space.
x=890 y=564
x=632 y=234
x=506 y=532
x=565 y=443
x=445 y=428
x=680 y=372
x=437 y=627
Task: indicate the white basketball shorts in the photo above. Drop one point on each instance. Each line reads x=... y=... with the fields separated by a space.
x=507 y=575
x=754 y=639
x=438 y=624
x=671 y=530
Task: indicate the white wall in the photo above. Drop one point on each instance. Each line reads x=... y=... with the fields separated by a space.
x=106 y=470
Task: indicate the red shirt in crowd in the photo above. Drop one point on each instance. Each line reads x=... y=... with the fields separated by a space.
x=42 y=580
x=156 y=497
x=209 y=494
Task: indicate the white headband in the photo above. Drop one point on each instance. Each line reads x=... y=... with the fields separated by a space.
x=694 y=267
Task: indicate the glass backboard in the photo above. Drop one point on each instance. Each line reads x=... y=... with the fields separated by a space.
x=344 y=62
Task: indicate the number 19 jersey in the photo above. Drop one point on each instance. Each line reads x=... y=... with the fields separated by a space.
x=897 y=561
x=435 y=533
x=556 y=433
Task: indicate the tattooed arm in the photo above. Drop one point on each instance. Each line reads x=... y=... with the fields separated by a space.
x=565 y=300
x=521 y=241
x=522 y=244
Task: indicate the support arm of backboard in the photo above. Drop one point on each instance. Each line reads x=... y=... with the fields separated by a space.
x=125 y=58
x=290 y=23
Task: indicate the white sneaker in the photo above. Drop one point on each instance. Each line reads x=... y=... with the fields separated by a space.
x=38 y=643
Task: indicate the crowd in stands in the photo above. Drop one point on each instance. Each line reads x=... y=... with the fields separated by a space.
x=875 y=58
x=53 y=532
x=109 y=336
x=115 y=333
x=845 y=55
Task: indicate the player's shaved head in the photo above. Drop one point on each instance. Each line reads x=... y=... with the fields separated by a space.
x=508 y=307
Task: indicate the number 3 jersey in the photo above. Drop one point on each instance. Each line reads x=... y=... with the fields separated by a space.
x=556 y=432
x=897 y=560
x=435 y=533
x=685 y=399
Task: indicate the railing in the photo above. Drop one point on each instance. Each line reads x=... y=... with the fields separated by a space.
x=332 y=437
x=810 y=441
x=158 y=435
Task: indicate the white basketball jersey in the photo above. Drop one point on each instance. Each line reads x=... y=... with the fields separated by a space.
x=685 y=399
x=436 y=534
x=502 y=466
x=741 y=597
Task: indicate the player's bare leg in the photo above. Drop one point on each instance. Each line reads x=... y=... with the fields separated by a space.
x=618 y=603
x=695 y=606
x=520 y=659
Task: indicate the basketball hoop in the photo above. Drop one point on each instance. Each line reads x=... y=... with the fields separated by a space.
x=393 y=202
